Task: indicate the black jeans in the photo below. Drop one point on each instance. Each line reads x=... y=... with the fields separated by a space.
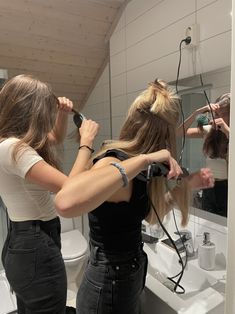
x=112 y=283
x=34 y=266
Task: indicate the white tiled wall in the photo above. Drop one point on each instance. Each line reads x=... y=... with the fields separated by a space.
x=98 y=107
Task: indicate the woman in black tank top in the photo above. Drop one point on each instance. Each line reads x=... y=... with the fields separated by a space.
x=114 y=193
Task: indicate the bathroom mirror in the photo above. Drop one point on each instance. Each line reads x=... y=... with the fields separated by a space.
x=192 y=91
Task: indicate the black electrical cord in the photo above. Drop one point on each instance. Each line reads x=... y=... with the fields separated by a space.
x=179 y=64
x=180 y=274
x=186 y=40
x=186 y=256
x=208 y=102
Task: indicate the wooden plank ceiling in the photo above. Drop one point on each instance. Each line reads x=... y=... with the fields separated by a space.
x=62 y=42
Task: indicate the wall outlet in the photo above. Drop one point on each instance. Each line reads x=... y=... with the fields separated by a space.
x=193 y=31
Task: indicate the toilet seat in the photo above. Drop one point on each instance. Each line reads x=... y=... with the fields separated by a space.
x=74 y=245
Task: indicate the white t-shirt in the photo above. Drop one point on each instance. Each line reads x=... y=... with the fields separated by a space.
x=218 y=166
x=24 y=200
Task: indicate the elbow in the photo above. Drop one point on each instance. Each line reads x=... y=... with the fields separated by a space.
x=63 y=207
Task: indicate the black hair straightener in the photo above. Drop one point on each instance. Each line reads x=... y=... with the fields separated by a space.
x=158 y=169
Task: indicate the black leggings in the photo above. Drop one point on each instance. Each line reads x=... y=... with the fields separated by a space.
x=34 y=266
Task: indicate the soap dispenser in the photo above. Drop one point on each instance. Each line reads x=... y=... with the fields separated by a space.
x=206 y=253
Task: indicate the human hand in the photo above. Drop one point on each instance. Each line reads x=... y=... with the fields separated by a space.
x=88 y=132
x=201 y=179
x=65 y=104
x=164 y=156
x=221 y=125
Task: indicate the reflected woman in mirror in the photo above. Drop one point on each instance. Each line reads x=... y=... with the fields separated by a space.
x=116 y=199
x=215 y=132
x=32 y=121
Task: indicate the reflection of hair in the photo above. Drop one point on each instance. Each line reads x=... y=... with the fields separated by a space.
x=224 y=101
x=216 y=142
x=27 y=112
x=150 y=126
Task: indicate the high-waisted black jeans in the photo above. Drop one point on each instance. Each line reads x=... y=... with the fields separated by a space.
x=112 y=283
x=34 y=266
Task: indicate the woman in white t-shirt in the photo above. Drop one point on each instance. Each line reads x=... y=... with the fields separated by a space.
x=215 y=147
x=32 y=118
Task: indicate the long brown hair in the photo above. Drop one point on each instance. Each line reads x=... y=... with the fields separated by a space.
x=216 y=142
x=27 y=112
x=150 y=126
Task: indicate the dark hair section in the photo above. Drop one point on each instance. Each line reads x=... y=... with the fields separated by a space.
x=216 y=142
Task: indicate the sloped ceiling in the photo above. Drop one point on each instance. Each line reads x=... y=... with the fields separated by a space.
x=62 y=42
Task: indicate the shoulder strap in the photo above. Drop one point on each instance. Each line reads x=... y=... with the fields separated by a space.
x=112 y=153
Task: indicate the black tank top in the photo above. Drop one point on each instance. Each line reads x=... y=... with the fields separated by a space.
x=117 y=226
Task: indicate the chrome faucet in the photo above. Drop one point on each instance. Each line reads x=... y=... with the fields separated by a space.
x=151 y=233
x=186 y=241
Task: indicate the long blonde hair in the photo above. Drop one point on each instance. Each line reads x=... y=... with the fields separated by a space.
x=150 y=126
x=28 y=112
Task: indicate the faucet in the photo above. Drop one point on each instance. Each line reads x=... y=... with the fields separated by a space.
x=151 y=233
x=185 y=241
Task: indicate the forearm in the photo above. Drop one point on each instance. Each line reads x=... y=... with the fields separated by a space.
x=227 y=131
x=88 y=131
x=84 y=192
x=82 y=163
x=186 y=124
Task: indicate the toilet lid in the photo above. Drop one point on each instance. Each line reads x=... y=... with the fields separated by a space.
x=73 y=244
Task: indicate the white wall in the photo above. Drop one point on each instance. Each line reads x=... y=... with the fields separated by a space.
x=98 y=107
x=145 y=45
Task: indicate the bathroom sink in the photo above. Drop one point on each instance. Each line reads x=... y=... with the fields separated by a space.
x=203 y=290
x=164 y=262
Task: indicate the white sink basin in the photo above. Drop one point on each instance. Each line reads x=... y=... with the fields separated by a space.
x=164 y=262
x=201 y=288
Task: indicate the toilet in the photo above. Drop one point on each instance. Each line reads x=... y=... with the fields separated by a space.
x=74 y=249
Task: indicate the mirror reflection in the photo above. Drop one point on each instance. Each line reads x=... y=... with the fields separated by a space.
x=204 y=136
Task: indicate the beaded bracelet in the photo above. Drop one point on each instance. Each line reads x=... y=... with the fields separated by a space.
x=90 y=149
x=122 y=172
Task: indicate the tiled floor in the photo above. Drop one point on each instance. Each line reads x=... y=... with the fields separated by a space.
x=71 y=298
x=8 y=302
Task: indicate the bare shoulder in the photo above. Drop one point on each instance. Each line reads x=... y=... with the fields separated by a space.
x=124 y=193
